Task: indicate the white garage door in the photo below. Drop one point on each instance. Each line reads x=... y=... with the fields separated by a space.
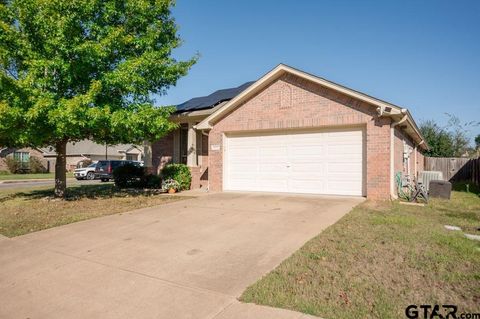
x=327 y=162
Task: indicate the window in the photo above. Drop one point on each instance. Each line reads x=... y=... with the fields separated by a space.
x=23 y=158
x=131 y=157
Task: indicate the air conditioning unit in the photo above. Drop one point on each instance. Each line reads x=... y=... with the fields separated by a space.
x=426 y=176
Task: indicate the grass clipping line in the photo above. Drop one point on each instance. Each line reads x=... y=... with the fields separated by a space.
x=379 y=259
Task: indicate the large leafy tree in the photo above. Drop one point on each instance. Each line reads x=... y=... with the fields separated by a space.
x=449 y=141
x=71 y=70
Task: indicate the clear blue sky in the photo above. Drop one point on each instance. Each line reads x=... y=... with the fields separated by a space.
x=423 y=55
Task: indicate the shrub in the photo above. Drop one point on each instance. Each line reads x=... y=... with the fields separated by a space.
x=129 y=176
x=178 y=172
x=13 y=164
x=36 y=165
x=153 y=181
x=4 y=172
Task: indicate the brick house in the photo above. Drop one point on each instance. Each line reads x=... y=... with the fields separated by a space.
x=291 y=131
x=23 y=155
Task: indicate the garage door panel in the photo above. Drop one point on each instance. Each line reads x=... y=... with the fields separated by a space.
x=272 y=167
x=308 y=150
x=309 y=168
x=329 y=162
x=272 y=185
x=274 y=152
x=344 y=149
x=308 y=186
x=344 y=168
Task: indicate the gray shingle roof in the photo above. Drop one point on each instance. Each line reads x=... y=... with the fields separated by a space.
x=92 y=148
x=209 y=101
x=87 y=147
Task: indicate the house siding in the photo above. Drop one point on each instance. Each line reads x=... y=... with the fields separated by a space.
x=295 y=103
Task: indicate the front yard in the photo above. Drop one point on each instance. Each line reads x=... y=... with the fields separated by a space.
x=379 y=259
x=25 y=210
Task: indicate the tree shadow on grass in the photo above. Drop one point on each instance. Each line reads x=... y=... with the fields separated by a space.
x=83 y=191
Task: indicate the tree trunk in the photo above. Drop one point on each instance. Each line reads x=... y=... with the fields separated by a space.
x=60 y=169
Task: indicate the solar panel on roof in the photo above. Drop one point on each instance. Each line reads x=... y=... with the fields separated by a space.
x=209 y=101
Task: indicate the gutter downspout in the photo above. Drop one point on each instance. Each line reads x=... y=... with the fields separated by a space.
x=392 y=152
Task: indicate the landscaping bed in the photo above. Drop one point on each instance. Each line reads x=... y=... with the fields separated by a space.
x=27 y=210
x=379 y=259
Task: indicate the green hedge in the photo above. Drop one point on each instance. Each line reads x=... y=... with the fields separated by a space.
x=178 y=172
x=129 y=175
x=132 y=176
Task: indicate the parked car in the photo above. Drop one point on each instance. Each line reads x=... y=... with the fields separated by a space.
x=104 y=169
x=85 y=172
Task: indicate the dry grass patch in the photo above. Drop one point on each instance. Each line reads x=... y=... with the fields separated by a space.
x=379 y=259
x=26 y=211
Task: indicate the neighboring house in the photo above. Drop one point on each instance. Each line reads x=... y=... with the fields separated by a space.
x=23 y=156
x=293 y=132
x=88 y=150
x=76 y=152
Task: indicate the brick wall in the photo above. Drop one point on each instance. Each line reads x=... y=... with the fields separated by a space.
x=162 y=152
x=291 y=103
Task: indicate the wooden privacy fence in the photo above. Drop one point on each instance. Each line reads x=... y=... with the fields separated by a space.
x=455 y=169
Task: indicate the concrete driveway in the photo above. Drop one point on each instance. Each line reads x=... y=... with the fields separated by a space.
x=188 y=259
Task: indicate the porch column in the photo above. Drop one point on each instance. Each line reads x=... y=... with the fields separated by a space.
x=192 y=146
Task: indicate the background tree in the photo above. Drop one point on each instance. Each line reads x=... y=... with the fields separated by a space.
x=449 y=141
x=71 y=70
x=477 y=141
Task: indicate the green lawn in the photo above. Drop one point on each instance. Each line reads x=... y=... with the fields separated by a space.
x=4 y=177
x=380 y=258
x=27 y=210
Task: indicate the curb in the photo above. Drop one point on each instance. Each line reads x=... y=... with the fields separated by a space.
x=15 y=181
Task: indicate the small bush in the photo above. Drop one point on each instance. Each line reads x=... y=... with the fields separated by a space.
x=129 y=176
x=36 y=165
x=153 y=181
x=4 y=172
x=178 y=172
x=13 y=164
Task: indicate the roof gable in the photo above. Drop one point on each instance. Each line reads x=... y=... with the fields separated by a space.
x=383 y=108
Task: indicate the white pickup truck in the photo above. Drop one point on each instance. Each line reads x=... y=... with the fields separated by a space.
x=85 y=172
